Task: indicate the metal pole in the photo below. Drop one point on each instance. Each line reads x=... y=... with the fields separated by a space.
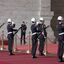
x=28 y=51
x=15 y=43
x=2 y=47
x=45 y=51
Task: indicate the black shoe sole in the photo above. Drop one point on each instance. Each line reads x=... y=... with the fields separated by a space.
x=34 y=57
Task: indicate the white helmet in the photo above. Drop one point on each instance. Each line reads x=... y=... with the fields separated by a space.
x=9 y=20
x=33 y=19
x=13 y=23
x=60 y=18
x=38 y=23
x=41 y=18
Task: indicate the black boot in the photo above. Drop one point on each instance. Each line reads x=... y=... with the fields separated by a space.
x=60 y=60
x=11 y=53
x=41 y=54
x=34 y=57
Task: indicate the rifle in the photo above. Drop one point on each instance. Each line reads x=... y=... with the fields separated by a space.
x=47 y=26
x=17 y=30
x=2 y=25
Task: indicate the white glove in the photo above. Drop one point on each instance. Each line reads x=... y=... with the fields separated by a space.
x=44 y=37
x=42 y=33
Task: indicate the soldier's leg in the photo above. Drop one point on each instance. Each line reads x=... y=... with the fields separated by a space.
x=41 y=45
x=34 y=45
x=10 y=45
x=60 y=50
x=24 y=39
x=21 y=38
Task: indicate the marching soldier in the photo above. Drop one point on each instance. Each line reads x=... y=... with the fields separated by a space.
x=10 y=36
x=60 y=31
x=23 y=32
x=40 y=32
x=34 y=37
x=44 y=26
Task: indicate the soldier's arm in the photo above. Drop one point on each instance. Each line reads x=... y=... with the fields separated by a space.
x=26 y=27
x=46 y=26
x=14 y=29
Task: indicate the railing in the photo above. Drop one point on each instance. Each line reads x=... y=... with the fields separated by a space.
x=17 y=46
x=2 y=40
x=50 y=47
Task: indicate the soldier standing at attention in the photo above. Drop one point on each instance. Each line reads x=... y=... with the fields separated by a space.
x=23 y=32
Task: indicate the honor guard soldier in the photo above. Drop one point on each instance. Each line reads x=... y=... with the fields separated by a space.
x=44 y=26
x=34 y=37
x=23 y=32
x=40 y=32
x=60 y=31
x=10 y=36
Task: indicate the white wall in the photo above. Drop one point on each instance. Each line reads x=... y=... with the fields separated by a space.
x=19 y=10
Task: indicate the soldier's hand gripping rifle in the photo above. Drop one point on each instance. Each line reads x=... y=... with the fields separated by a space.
x=17 y=31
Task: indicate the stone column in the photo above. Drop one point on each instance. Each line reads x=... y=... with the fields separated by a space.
x=47 y=14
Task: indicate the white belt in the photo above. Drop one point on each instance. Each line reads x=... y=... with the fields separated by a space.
x=33 y=33
x=61 y=33
x=9 y=32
